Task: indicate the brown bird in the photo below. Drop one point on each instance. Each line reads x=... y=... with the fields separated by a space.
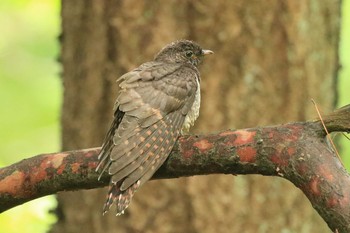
x=157 y=102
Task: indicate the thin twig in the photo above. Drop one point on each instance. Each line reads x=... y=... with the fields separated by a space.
x=328 y=135
x=345 y=136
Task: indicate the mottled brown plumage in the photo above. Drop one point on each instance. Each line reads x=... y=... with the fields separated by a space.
x=156 y=102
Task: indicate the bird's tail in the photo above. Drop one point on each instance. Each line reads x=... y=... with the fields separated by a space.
x=122 y=198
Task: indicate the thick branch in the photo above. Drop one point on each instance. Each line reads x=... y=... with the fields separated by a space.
x=297 y=152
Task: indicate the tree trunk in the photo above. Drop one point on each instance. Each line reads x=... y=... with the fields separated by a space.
x=270 y=58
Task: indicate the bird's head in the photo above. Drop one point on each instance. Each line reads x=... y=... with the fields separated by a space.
x=182 y=51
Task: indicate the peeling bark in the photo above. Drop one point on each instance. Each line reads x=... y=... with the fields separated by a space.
x=298 y=152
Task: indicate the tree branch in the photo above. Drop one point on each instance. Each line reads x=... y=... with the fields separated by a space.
x=298 y=152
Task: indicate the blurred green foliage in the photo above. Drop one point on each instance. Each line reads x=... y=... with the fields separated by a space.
x=344 y=75
x=30 y=97
x=31 y=91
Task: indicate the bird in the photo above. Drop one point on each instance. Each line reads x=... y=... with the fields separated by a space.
x=157 y=102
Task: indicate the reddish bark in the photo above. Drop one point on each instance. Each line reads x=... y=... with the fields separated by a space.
x=298 y=152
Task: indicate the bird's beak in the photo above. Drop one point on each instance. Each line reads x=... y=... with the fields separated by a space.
x=207 y=52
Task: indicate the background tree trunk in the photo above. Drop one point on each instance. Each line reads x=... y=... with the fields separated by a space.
x=270 y=58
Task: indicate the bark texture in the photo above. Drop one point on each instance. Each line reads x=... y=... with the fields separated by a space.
x=271 y=58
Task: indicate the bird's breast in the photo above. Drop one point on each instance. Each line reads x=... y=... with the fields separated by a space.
x=193 y=114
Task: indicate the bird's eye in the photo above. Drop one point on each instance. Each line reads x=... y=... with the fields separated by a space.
x=189 y=53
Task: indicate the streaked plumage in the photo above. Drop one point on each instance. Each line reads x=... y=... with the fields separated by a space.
x=156 y=102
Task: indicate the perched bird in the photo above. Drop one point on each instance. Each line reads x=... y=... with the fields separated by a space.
x=157 y=102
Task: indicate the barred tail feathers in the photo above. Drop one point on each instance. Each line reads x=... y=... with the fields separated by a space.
x=122 y=198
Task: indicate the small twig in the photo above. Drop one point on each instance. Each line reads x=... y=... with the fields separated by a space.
x=345 y=136
x=325 y=128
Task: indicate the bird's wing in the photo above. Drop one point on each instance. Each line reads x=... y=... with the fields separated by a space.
x=152 y=99
x=153 y=102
